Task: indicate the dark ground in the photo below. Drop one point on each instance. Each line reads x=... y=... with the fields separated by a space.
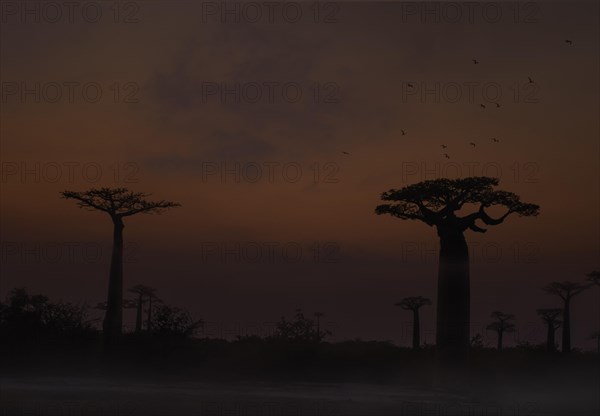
x=213 y=377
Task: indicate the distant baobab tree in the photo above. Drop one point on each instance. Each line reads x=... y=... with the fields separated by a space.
x=319 y=315
x=437 y=203
x=141 y=291
x=596 y=336
x=118 y=203
x=501 y=325
x=594 y=277
x=413 y=304
x=551 y=318
x=565 y=291
x=151 y=294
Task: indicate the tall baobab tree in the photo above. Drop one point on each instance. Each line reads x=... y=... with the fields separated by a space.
x=552 y=321
x=566 y=291
x=503 y=323
x=414 y=303
x=141 y=291
x=118 y=203
x=437 y=204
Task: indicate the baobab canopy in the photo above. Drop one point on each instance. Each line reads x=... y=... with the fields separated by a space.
x=436 y=201
x=119 y=202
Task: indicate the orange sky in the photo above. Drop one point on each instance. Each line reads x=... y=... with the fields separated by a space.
x=548 y=153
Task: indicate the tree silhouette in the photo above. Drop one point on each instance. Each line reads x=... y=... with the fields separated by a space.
x=141 y=291
x=118 y=203
x=414 y=304
x=300 y=330
x=594 y=277
x=566 y=291
x=319 y=315
x=596 y=336
x=551 y=318
x=436 y=203
x=151 y=295
x=501 y=325
x=174 y=322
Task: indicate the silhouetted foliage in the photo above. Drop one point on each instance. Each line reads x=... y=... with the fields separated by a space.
x=566 y=290
x=477 y=342
x=174 y=322
x=118 y=203
x=299 y=330
x=437 y=203
x=25 y=319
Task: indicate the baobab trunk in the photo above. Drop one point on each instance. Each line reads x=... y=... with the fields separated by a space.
x=453 y=304
x=149 y=323
x=566 y=329
x=114 y=305
x=550 y=338
x=416 y=330
x=500 y=333
x=138 y=317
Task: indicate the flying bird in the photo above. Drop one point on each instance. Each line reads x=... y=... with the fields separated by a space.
x=403 y=132
x=410 y=85
x=530 y=80
x=568 y=42
x=443 y=146
x=482 y=105
x=497 y=105
x=475 y=61
x=495 y=140
x=346 y=153
x=446 y=156
x=472 y=144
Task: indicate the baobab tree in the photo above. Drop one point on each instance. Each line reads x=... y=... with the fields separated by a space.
x=552 y=321
x=141 y=291
x=594 y=277
x=565 y=291
x=150 y=293
x=319 y=315
x=437 y=204
x=118 y=203
x=501 y=325
x=596 y=336
x=413 y=304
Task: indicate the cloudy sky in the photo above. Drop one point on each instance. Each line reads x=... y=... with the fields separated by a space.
x=243 y=118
